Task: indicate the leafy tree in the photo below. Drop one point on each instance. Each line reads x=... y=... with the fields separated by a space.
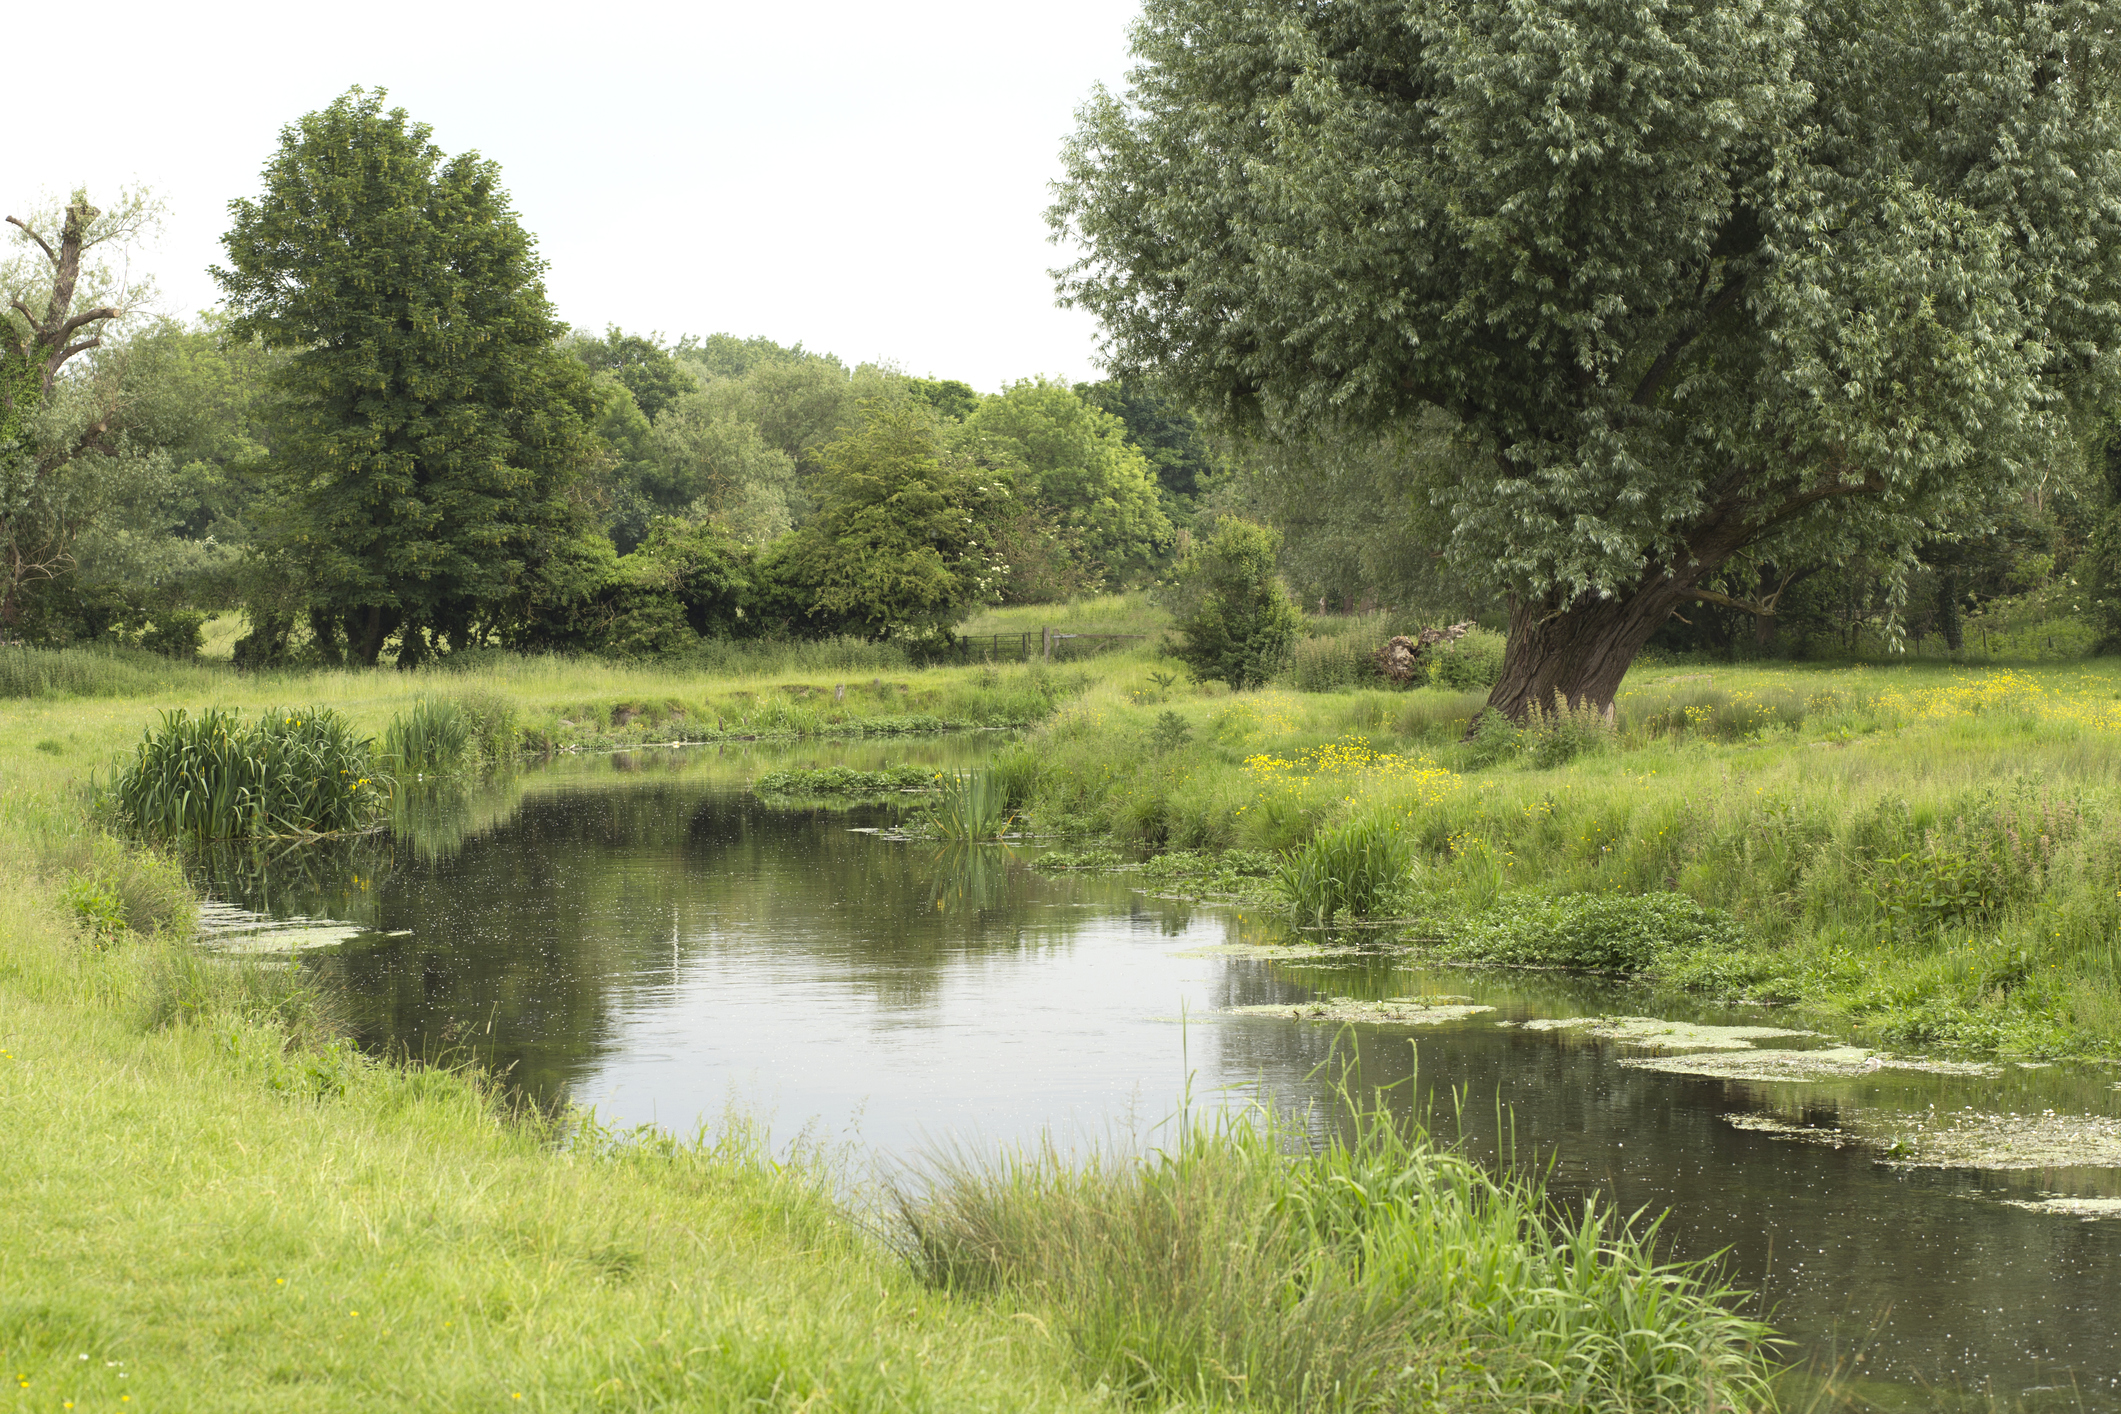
x=59 y=437
x=435 y=432
x=716 y=466
x=1164 y=429
x=1698 y=284
x=687 y=581
x=902 y=543
x=1076 y=459
x=648 y=370
x=1235 y=621
x=727 y=356
x=949 y=397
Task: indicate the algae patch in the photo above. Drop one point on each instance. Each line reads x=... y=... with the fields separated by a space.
x=1656 y=1033
x=1827 y=1063
x=1278 y=952
x=1401 y=1010
x=2086 y=1208
x=1978 y=1140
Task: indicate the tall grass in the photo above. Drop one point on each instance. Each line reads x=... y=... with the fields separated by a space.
x=968 y=805
x=1354 y=869
x=430 y=738
x=1380 y=1271
x=213 y=777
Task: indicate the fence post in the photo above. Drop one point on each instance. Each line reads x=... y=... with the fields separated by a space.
x=1045 y=642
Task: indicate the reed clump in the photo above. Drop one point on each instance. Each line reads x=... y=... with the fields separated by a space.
x=1356 y=869
x=430 y=738
x=969 y=805
x=1381 y=1270
x=300 y=771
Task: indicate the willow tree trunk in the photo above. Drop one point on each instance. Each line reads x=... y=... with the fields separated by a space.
x=1578 y=653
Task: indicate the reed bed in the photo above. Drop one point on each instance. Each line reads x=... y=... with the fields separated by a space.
x=299 y=771
x=1244 y=1268
x=1357 y=869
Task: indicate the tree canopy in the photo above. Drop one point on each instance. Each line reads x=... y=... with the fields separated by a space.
x=1699 y=288
x=434 y=431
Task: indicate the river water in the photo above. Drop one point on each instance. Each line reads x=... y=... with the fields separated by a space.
x=643 y=934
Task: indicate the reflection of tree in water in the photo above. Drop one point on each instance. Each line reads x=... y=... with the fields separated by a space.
x=527 y=939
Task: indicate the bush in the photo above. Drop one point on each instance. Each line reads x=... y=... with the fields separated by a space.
x=1235 y=621
x=1495 y=739
x=1329 y=664
x=1354 y=869
x=300 y=771
x=1593 y=932
x=1471 y=663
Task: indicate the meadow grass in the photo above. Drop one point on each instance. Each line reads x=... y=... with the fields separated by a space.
x=1244 y=1264
x=1928 y=854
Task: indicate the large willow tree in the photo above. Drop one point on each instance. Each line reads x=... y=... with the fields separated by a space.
x=1687 y=289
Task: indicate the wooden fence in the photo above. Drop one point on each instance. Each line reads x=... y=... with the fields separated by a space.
x=1046 y=645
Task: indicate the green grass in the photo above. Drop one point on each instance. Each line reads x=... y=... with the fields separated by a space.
x=1242 y=1266
x=1928 y=855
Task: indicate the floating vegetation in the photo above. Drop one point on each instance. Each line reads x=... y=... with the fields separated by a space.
x=1658 y=1034
x=1977 y=1139
x=214 y=777
x=845 y=781
x=1280 y=952
x=2087 y=1208
x=1826 y=1063
x=224 y=928
x=1400 y=1010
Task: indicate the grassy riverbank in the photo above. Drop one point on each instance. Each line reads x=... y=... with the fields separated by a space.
x=209 y=1202
x=1925 y=855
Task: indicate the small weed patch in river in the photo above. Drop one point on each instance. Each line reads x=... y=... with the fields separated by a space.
x=969 y=805
x=844 y=781
x=1355 y=870
x=1383 y=1270
x=213 y=776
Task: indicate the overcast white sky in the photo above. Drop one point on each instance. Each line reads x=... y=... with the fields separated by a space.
x=869 y=179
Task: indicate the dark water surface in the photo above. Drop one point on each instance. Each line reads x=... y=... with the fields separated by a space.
x=644 y=935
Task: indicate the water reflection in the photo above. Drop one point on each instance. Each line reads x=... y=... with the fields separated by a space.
x=642 y=934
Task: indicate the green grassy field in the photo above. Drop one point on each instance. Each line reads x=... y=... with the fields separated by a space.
x=210 y=1202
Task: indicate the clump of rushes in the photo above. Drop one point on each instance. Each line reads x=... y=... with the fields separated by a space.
x=1354 y=870
x=432 y=738
x=215 y=777
x=1381 y=1271
x=969 y=805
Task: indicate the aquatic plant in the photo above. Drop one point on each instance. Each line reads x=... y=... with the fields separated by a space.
x=843 y=780
x=969 y=805
x=429 y=738
x=1378 y=1270
x=292 y=771
x=1592 y=932
x=1353 y=870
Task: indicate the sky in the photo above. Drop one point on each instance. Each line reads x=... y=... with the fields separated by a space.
x=869 y=180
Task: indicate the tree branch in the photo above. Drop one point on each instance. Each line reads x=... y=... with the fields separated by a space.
x=1692 y=330
x=89 y=317
x=1762 y=610
x=49 y=253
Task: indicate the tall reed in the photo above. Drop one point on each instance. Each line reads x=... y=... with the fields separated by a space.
x=1353 y=870
x=969 y=805
x=1380 y=1271
x=289 y=772
x=431 y=738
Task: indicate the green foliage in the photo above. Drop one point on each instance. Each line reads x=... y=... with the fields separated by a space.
x=1251 y=1264
x=430 y=738
x=1642 y=329
x=434 y=431
x=212 y=777
x=96 y=908
x=1593 y=933
x=1474 y=661
x=1066 y=454
x=1356 y=869
x=97 y=672
x=1234 y=619
x=1331 y=662
x=969 y=805
x=1557 y=734
x=1495 y=739
x=1170 y=733
x=844 y=780
x=901 y=545
x=1161 y=428
x=686 y=581
x=640 y=364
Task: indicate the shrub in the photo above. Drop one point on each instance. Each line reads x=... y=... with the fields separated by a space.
x=300 y=771
x=1354 y=869
x=1593 y=932
x=1495 y=739
x=1330 y=663
x=1474 y=661
x=1235 y=622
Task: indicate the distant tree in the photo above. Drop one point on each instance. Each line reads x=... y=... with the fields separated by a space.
x=947 y=396
x=1235 y=622
x=435 y=433
x=1076 y=459
x=902 y=541
x=727 y=356
x=1162 y=427
x=59 y=439
x=1697 y=284
x=639 y=361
